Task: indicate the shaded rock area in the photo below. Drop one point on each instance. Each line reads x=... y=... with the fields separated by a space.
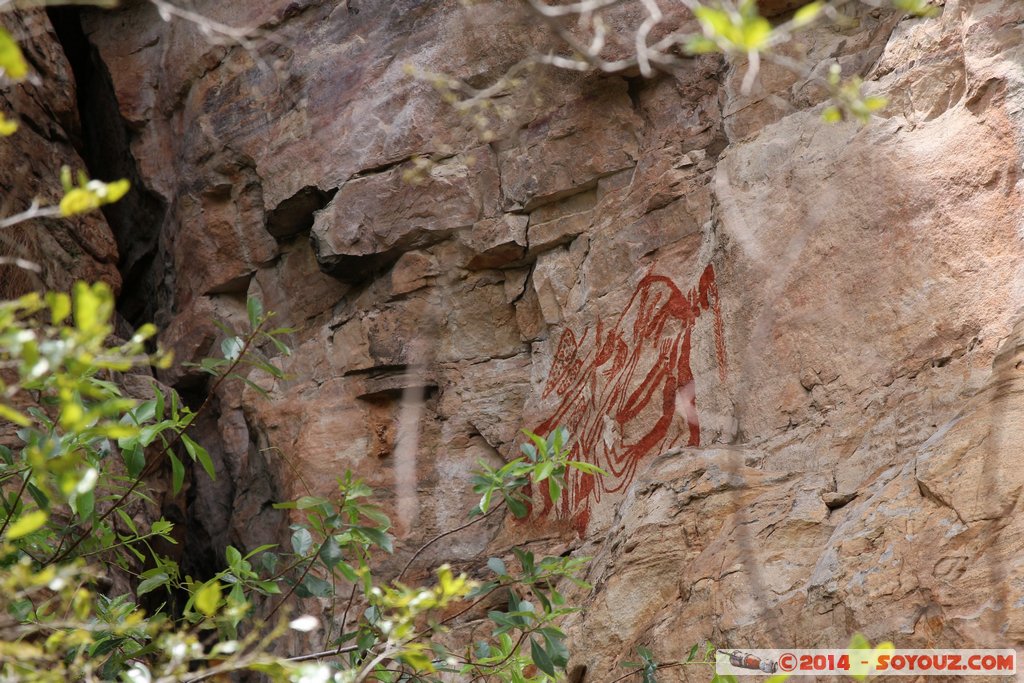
x=49 y=137
x=796 y=345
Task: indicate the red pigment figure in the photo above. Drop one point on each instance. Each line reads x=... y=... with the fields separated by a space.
x=620 y=393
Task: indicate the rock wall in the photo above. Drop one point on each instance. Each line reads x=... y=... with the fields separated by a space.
x=795 y=345
x=49 y=137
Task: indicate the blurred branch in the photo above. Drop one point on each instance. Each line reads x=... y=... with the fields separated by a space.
x=34 y=211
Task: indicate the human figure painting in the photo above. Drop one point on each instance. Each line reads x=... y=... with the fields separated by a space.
x=619 y=388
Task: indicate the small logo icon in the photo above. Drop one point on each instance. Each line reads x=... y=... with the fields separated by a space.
x=744 y=660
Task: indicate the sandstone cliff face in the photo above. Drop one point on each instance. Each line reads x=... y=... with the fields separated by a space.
x=30 y=163
x=796 y=345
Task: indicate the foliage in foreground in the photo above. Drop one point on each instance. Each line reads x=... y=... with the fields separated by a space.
x=73 y=487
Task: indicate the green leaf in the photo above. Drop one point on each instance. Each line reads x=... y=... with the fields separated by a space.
x=554 y=489
x=208 y=597
x=144 y=412
x=177 y=473
x=314 y=586
x=268 y=587
x=254 y=307
x=530 y=451
x=556 y=649
x=543 y=471
x=417 y=659
x=526 y=559
x=540 y=657
x=26 y=524
x=497 y=565
x=159 y=408
x=330 y=552
x=347 y=571
x=12 y=61
x=82 y=504
x=307 y=502
x=586 y=467
x=302 y=541
x=134 y=459
x=517 y=507
x=232 y=348
x=233 y=557
x=199 y=454
x=161 y=527
x=41 y=499
x=269 y=562
x=151 y=583
x=260 y=549
x=378 y=537
x=832 y=114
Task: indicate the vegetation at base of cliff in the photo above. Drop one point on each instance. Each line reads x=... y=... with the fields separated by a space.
x=74 y=523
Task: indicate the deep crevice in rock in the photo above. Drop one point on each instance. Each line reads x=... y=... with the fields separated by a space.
x=106 y=149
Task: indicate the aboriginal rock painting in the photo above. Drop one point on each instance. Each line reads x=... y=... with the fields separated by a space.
x=627 y=391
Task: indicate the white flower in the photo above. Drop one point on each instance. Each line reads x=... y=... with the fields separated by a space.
x=313 y=673
x=139 y=674
x=305 y=623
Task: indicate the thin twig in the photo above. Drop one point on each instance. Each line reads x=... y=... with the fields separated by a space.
x=667 y=665
x=34 y=211
x=294 y=586
x=333 y=652
x=20 y=263
x=17 y=498
x=443 y=534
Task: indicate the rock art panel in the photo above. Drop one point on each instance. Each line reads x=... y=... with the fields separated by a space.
x=622 y=389
x=868 y=275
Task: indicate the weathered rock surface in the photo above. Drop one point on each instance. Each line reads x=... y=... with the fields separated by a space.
x=795 y=344
x=30 y=164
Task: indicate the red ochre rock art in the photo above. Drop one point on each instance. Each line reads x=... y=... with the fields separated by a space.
x=620 y=390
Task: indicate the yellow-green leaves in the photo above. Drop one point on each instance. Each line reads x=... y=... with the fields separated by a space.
x=920 y=8
x=208 y=597
x=848 y=100
x=742 y=31
x=89 y=194
x=60 y=306
x=859 y=671
x=807 y=14
x=16 y=416
x=14 y=67
x=93 y=306
x=26 y=524
x=7 y=126
x=12 y=61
